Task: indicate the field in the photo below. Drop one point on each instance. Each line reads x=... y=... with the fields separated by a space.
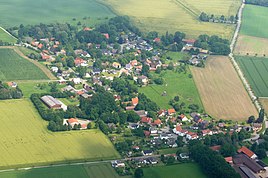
x=26 y=141
x=35 y=12
x=185 y=170
x=250 y=45
x=222 y=92
x=255 y=21
x=14 y=67
x=256 y=71
x=264 y=102
x=81 y=171
x=177 y=15
x=174 y=84
x=6 y=38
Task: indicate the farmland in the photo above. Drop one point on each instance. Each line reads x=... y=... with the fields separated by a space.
x=222 y=92
x=81 y=171
x=14 y=67
x=264 y=102
x=256 y=72
x=250 y=45
x=6 y=38
x=177 y=15
x=174 y=84
x=185 y=170
x=26 y=141
x=255 y=21
x=35 y=12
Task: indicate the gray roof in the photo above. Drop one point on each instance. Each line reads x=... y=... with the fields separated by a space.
x=50 y=101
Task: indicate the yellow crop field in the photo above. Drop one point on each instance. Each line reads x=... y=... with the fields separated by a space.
x=177 y=15
x=25 y=140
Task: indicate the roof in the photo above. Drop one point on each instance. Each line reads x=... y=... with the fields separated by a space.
x=106 y=35
x=87 y=29
x=135 y=101
x=248 y=162
x=215 y=148
x=50 y=101
x=178 y=128
x=229 y=159
x=72 y=120
x=146 y=119
x=157 y=122
x=189 y=41
x=171 y=111
x=246 y=151
x=157 y=40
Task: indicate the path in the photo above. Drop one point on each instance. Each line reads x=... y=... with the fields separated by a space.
x=239 y=71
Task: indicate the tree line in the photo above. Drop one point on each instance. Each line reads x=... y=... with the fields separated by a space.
x=217 y=19
x=258 y=2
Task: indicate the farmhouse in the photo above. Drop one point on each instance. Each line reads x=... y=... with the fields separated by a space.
x=74 y=121
x=247 y=152
x=51 y=102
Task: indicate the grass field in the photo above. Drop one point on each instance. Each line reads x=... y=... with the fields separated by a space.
x=6 y=38
x=29 y=88
x=101 y=170
x=221 y=90
x=255 y=21
x=256 y=71
x=14 y=67
x=26 y=141
x=250 y=45
x=35 y=12
x=177 y=15
x=174 y=84
x=186 y=170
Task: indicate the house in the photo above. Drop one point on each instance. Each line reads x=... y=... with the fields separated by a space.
x=141 y=113
x=184 y=155
x=229 y=159
x=206 y=132
x=69 y=88
x=179 y=131
x=247 y=152
x=118 y=163
x=135 y=101
x=146 y=120
x=153 y=130
x=157 y=122
x=116 y=65
x=12 y=84
x=54 y=69
x=162 y=113
x=152 y=160
x=74 y=121
x=77 y=81
x=51 y=102
x=147 y=152
x=183 y=118
x=157 y=40
x=143 y=80
x=171 y=111
x=189 y=42
x=80 y=62
x=85 y=95
x=191 y=136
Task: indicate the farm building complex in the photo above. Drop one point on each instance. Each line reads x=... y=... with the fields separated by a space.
x=51 y=102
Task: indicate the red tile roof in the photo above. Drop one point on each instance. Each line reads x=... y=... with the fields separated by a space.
x=146 y=119
x=246 y=151
x=171 y=111
x=135 y=101
x=228 y=159
x=157 y=122
x=72 y=120
x=106 y=35
x=157 y=40
x=178 y=128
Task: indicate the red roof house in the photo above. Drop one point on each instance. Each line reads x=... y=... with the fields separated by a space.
x=247 y=152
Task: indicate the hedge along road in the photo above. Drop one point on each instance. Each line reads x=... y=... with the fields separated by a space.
x=239 y=71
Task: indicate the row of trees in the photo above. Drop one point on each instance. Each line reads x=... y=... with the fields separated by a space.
x=212 y=163
x=222 y=19
x=7 y=92
x=214 y=43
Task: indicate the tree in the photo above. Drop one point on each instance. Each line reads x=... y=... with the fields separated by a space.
x=159 y=81
x=261 y=116
x=138 y=173
x=176 y=98
x=179 y=141
x=227 y=150
x=251 y=119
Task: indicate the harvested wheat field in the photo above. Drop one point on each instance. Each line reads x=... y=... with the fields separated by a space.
x=264 y=103
x=252 y=46
x=221 y=90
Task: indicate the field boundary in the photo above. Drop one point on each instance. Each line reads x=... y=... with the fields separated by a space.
x=37 y=64
x=186 y=8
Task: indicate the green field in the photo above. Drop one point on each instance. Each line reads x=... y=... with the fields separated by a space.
x=256 y=72
x=255 y=21
x=101 y=170
x=174 y=84
x=29 y=88
x=26 y=141
x=6 y=38
x=14 y=67
x=177 y=15
x=35 y=12
x=186 y=170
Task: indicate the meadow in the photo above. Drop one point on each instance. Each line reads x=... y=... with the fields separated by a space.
x=35 y=12
x=175 y=84
x=256 y=71
x=6 y=37
x=177 y=15
x=255 y=21
x=185 y=170
x=221 y=90
x=26 y=141
x=15 y=67
x=81 y=171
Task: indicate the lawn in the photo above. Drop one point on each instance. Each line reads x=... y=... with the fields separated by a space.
x=221 y=90
x=256 y=72
x=6 y=37
x=186 y=170
x=69 y=101
x=35 y=12
x=174 y=84
x=29 y=88
x=81 y=171
x=255 y=21
x=26 y=141
x=15 y=67
x=177 y=15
